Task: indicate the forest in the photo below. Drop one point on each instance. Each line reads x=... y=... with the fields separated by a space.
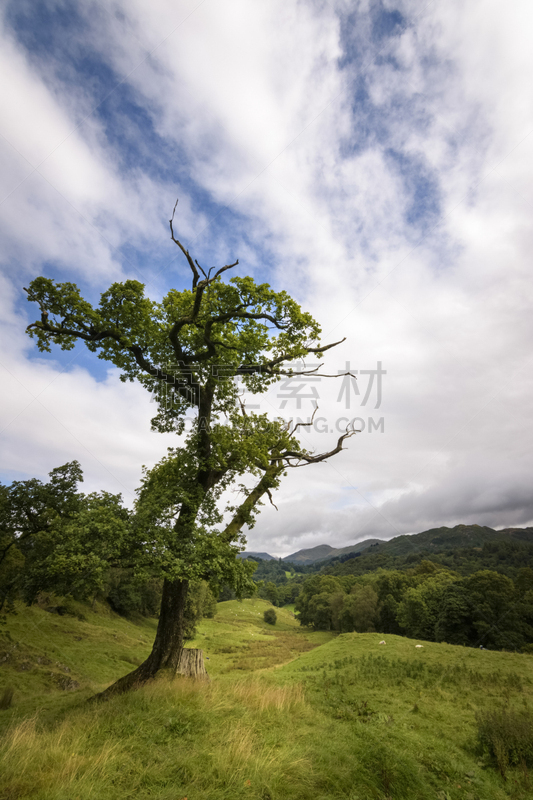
x=484 y=609
x=55 y=540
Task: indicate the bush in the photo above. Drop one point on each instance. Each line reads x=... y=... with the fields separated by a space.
x=506 y=736
x=128 y=596
x=270 y=616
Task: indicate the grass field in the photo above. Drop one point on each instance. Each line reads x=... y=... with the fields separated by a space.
x=287 y=714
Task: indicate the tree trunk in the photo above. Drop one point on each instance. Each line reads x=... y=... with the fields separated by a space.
x=168 y=644
x=191 y=664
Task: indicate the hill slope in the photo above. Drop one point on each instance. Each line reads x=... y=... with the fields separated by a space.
x=349 y=718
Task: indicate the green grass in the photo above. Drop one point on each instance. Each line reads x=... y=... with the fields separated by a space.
x=42 y=655
x=238 y=638
x=288 y=714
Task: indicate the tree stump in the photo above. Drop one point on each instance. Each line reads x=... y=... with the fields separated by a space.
x=191 y=664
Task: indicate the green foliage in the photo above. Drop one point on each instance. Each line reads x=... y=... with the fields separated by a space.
x=202 y=551
x=360 y=610
x=417 y=613
x=274 y=585
x=134 y=333
x=275 y=570
x=201 y=340
x=54 y=538
x=200 y=603
x=269 y=591
x=270 y=616
x=425 y=602
x=464 y=549
x=128 y=594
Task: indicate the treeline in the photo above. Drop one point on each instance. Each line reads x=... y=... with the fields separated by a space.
x=279 y=582
x=279 y=571
x=55 y=539
x=428 y=602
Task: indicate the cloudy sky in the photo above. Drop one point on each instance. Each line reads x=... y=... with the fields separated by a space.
x=375 y=159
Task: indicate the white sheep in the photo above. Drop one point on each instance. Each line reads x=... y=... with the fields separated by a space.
x=419 y=645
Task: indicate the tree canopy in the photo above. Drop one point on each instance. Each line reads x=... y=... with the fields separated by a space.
x=54 y=537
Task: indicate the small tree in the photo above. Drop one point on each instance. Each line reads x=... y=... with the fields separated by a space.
x=188 y=352
x=54 y=538
x=270 y=616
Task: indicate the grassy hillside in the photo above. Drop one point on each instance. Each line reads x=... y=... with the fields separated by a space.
x=287 y=714
x=48 y=658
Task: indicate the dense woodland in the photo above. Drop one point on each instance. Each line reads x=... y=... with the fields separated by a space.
x=485 y=608
x=58 y=541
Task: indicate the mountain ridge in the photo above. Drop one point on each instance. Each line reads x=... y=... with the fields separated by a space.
x=434 y=540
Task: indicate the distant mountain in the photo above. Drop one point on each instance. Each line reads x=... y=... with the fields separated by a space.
x=435 y=540
x=318 y=553
x=324 y=551
x=262 y=556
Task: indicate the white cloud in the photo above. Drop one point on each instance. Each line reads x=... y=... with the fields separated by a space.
x=386 y=184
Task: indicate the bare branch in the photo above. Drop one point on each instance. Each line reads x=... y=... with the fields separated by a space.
x=269 y=366
x=302 y=424
x=325 y=347
x=223 y=269
x=196 y=275
x=289 y=455
x=271 y=501
x=293 y=374
x=242 y=405
x=201 y=268
x=194 y=263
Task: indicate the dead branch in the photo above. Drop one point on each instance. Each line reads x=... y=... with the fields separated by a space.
x=270 y=498
x=288 y=456
x=301 y=424
x=196 y=275
x=193 y=264
x=325 y=347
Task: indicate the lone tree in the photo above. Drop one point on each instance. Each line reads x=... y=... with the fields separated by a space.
x=189 y=351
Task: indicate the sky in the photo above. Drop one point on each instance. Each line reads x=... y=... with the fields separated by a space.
x=374 y=159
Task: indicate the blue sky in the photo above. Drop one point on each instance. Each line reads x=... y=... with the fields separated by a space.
x=374 y=159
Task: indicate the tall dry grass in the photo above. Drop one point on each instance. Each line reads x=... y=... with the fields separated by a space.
x=35 y=760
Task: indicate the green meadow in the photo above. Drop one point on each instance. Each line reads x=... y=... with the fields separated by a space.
x=288 y=713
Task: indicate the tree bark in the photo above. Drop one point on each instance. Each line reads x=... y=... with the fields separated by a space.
x=168 y=644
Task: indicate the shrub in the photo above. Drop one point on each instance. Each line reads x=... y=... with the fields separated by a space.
x=270 y=616
x=506 y=736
